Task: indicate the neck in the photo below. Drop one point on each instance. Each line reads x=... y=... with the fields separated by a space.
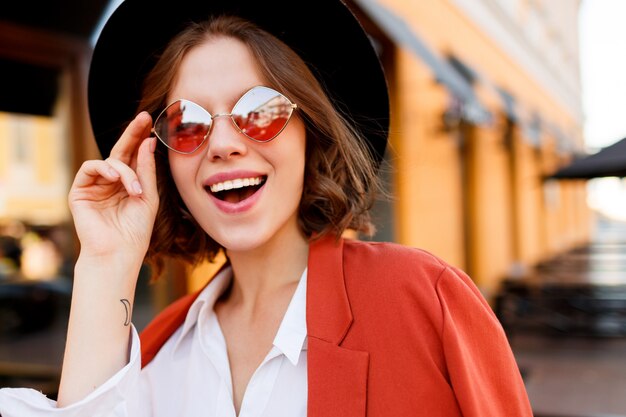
x=264 y=271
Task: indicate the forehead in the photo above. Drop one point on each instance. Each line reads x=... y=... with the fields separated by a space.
x=220 y=69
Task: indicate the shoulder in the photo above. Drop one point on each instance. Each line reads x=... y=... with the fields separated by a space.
x=406 y=285
x=404 y=273
x=406 y=293
x=159 y=330
x=392 y=259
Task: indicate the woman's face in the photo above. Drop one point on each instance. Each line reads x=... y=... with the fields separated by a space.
x=215 y=75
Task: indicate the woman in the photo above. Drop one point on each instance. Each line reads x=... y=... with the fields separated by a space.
x=299 y=322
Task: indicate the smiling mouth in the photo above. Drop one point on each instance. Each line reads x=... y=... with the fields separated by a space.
x=237 y=190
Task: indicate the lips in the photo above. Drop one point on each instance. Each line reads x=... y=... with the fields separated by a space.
x=235 y=191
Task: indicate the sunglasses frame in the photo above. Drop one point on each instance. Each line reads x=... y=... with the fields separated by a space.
x=230 y=115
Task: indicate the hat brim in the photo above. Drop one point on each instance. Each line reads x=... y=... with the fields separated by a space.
x=325 y=34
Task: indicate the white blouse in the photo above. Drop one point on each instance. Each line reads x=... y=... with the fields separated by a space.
x=190 y=376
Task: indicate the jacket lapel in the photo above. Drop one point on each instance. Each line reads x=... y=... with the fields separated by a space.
x=337 y=376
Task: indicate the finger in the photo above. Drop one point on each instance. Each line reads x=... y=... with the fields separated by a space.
x=128 y=177
x=91 y=171
x=127 y=145
x=146 y=167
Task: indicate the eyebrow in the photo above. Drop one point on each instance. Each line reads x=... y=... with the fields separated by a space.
x=229 y=104
x=240 y=94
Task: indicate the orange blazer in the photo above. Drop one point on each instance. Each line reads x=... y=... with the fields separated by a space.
x=392 y=331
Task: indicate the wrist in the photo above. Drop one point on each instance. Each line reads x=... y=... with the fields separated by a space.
x=120 y=259
x=120 y=271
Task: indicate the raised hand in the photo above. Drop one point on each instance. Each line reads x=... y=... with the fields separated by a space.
x=114 y=202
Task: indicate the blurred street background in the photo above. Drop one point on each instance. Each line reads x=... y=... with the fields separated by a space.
x=506 y=159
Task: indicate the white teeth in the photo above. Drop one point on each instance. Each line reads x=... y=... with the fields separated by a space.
x=236 y=183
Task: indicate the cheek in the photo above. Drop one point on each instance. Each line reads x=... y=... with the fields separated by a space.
x=295 y=153
x=181 y=170
x=174 y=167
x=295 y=162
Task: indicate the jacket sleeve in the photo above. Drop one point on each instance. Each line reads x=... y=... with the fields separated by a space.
x=482 y=369
x=114 y=398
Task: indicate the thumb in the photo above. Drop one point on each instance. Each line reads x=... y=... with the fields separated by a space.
x=146 y=169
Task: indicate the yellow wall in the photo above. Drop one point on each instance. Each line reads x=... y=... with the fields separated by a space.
x=4 y=147
x=34 y=189
x=428 y=179
x=489 y=179
x=47 y=145
x=486 y=207
x=199 y=276
x=529 y=209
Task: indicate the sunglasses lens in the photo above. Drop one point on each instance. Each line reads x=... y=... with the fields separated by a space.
x=183 y=126
x=262 y=113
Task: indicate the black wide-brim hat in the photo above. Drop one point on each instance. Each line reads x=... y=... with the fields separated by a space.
x=325 y=33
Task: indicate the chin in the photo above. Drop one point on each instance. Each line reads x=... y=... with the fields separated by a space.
x=242 y=240
x=257 y=237
x=242 y=245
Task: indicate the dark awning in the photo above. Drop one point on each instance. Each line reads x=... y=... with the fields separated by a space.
x=608 y=162
x=397 y=29
x=28 y=86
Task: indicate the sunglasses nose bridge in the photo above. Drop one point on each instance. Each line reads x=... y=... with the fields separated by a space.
x=225 y=141
x=228 y=115
x=232 y=119
x=215 y=116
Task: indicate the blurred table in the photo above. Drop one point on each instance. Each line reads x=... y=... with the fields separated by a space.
x=581 y=292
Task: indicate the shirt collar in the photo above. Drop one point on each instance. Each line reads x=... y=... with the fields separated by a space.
x=207 y=297
x=291 y=335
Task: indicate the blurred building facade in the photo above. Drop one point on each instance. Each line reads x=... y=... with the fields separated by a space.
x=33 y=170
x=485 y=103
x=468 y=163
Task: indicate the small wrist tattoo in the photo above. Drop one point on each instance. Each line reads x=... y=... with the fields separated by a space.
x=127 y=308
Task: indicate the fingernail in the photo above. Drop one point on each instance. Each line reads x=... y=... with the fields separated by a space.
x=142 y=114
x=153 y=144
x=113 y=173
x=137 y=187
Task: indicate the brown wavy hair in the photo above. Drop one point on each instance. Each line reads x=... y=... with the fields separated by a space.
x=340 y=181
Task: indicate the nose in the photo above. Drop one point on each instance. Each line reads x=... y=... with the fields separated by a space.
x=225 y=141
